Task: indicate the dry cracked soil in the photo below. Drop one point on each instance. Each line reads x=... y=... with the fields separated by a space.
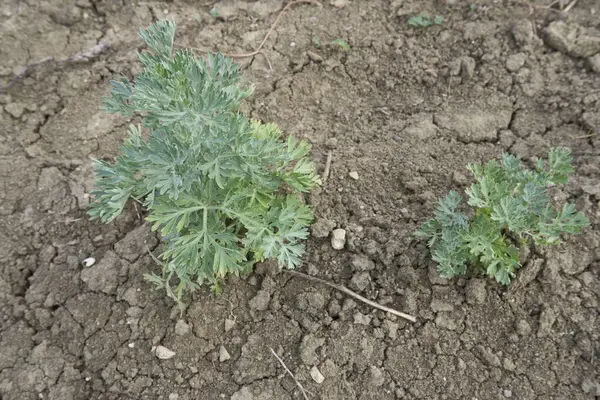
x=404 y=108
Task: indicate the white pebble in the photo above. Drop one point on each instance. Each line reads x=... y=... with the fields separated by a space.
x=163 y=353
x=223 y=354
x=338 y=239
x=131 y=345
x=316 y=375
x=88 y=262
x=353 y=175
x=229 y=324
x=293 y=44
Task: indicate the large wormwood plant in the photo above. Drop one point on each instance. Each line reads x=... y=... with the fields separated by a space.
x=222 y=190
x=512 y=206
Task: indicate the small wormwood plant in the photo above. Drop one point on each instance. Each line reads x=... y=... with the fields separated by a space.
x=424 y=20
x=512 y=206
x=223 y=190
x=341 y=44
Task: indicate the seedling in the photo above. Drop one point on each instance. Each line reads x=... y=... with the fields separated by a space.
x=511 y=207
x=342 y=44
x=214 y=12
x=316 y=42
x=222 y=190
x=424 y=20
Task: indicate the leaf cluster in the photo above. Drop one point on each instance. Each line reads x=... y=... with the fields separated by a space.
x=511 y=207
x=424 y=20
x=222 y=190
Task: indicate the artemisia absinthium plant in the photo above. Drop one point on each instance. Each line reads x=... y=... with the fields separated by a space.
x=223 y=190
x=509 y=201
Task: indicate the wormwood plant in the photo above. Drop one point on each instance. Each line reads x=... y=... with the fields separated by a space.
x=222 y=190
x=424 y=20
x=511 y=206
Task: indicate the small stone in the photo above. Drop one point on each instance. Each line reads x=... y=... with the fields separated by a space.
x=590 y=387
x=322 y=227
x=316 y=375
x=445 y=321
x=353 y=175
x=245 y=393
x=507 y=393
x=361 y=319
x=515 y=62
x=15 y=109
x=488 y=356
x=593 y=63
x=229 y=324
x=131 y=345
x=310 y=343
x=454 y=67
x=522 y=32
x=338 y=239
x=362 y=263
x=182 y=328
x=547 y=319
x=260 y=302
x=339 y=3
x=557 y=36
x=475 y=291
x=223 y=354
x=360 y=281
x=163 y=353
x=392 y=328
x=376 y=377
x=467 y=67
x=459 y=178
x=88 y=262
x=173 y=396
x=438 y=305
x=331 y=143
x=314 y=57
x=508 y=364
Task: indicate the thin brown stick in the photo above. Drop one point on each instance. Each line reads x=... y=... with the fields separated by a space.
x=290 y=373
x=351 y=293
x=571 y=4
x=589 y=135
x=327 y=166
x=258 y=50
x=539 y=6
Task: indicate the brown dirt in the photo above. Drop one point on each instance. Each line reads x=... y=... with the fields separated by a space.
x=405 y=108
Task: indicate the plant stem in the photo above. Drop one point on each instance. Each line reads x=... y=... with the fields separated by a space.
x=351 y=293
x=290 y=373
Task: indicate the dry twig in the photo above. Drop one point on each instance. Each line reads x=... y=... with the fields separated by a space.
x=327 y=166
x=539 y=6
x=571 y=4
x=351 y=293
x=289 y=373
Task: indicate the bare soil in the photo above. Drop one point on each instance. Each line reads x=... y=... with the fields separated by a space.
x=405 y=108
